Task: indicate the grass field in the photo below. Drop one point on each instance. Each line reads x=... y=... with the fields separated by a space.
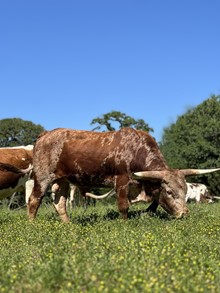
x=99 y=252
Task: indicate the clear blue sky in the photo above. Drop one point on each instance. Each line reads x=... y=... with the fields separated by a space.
x=63 y=63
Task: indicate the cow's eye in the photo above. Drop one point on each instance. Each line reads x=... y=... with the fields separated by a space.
x=169 y=192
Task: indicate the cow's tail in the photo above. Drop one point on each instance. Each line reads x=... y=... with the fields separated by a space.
x=10 y=168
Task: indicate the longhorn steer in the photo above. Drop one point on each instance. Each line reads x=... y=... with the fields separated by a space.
x=126 y=160
x=142 y=196
x=198 y=192
x=10 y=181
x=195 y=191
x=72 y=199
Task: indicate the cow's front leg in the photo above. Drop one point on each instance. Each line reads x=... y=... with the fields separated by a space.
x=154 y=205
x=122 y=189
x=60 y=201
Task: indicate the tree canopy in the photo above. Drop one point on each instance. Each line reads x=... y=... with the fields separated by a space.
x=115 y=119
x=194 y=141
x=15 y=132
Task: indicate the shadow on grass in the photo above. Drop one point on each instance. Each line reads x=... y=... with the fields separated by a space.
x=162 y=215
x=112 y=215
x=86 y=219
x=94 y=217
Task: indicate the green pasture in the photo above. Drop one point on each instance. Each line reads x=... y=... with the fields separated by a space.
x=99 y=252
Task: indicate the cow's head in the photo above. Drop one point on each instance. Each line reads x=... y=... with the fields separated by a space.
x=173 y=188
x=173 y=193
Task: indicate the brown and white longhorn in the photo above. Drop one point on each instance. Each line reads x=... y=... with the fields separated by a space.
x=126 y=160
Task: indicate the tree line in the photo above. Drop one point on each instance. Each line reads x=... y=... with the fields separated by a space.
x=193 y=141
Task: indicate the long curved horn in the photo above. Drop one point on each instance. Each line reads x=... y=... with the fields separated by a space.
x=190 y=172
x=149 y=175
x=217 y=197
x=108 y=194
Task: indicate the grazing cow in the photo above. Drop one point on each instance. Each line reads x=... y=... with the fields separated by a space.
x=10 y=181
x=72 y=195
x=29 y=185
x=72 y=192
x=126 y=160
x=198 y=192
x=195 y=191
x=142 y=196
x=87 y=200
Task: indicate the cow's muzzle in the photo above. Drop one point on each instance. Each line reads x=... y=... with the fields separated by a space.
x=182 y=213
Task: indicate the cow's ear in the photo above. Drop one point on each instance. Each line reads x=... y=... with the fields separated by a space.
x=190 y=172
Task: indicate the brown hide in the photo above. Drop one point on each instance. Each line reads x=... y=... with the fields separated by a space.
x=94 y=159
x=19 y=157
x=88 y=157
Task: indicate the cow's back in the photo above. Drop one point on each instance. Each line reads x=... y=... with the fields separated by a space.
x=19 y=157
x=62 y=151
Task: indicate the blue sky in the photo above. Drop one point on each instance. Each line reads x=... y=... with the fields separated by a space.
x=63 y=63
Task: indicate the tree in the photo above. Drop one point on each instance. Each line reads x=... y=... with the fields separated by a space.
x=194 y=141
x=15 y=132
x=116 y=119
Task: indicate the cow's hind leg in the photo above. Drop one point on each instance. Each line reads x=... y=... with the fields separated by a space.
x=60 y=200
x=122 y=189
x=35 y=199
